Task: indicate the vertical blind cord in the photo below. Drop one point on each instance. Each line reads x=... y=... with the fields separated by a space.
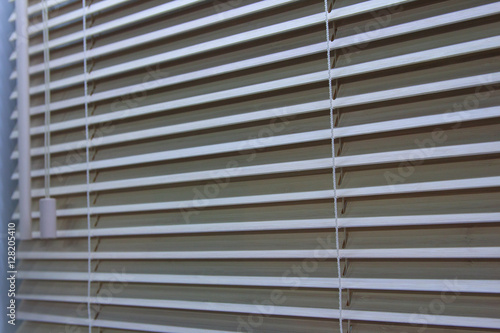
x=46 y=59
x=85 y=87
x=333 y=163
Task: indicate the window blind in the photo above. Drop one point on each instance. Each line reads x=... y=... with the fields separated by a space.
x=210 y=161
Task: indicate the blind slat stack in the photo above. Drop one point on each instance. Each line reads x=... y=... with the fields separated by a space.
x=211 y=167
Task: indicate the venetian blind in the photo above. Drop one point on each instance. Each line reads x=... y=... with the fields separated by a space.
x=210 y=163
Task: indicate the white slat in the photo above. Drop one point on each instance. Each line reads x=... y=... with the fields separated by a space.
x=277 y=310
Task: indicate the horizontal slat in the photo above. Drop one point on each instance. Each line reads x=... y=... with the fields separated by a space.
x=372 y=97
x=288 y=311
x=163 y=33
x=49 y=4
x=336 y=73
x=265 y=169
x=191 y=126
x=39 y=6
x=382 y=64
x=72 y=16
x=392 y=317
x=187 y=305
x=479 y=286
x=443 y=185
x=338 y=43
x=134 y=112
x=427 y=253
x=276 y=141
x=142 y=327
x=220 y=122
x=435 y=186
x=192 y=152
x=121 y=22
x=336 y=14
x=473 y=149
x=343 y=222
x=171 y=55
x=406 y=318
x=451 y=18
